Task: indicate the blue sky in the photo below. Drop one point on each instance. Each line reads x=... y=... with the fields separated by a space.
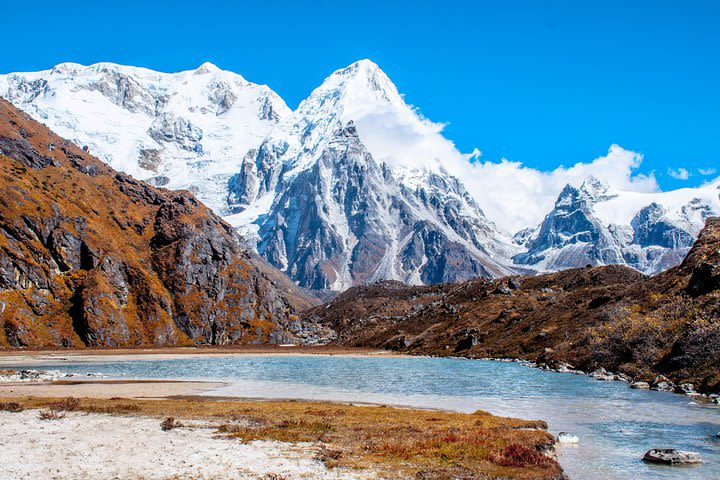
x=543 y=83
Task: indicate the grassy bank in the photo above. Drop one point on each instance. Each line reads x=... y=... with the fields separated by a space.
x=395 y=442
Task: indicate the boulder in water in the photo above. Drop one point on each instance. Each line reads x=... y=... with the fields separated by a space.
x=671 y=456
x=640 y=385
x=686 y=388
x=565 y=438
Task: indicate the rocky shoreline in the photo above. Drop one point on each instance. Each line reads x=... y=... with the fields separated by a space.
x=660 y=384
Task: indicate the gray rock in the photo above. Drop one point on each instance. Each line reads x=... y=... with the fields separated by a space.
x=502 y=290
x=346 y=186
x=603 y=375
x=640 y=385
x=686 y=388
x=671 y=456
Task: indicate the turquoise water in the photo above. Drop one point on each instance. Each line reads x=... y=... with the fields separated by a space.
x=615 y=424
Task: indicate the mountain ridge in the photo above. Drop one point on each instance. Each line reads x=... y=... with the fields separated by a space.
x=589 y=225
x=237 y=146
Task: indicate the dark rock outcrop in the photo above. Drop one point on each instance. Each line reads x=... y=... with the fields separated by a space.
x=89 y=256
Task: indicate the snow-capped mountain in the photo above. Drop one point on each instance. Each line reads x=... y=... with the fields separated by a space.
x=337 y=193
x=331 y=205
x=348 y=188
x=187 y=130
x=597 y=225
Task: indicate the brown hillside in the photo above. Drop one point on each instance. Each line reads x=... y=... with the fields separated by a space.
x=90 y=256
x=611 y=317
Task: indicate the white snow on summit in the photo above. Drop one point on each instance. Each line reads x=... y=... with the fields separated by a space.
x=187 y=130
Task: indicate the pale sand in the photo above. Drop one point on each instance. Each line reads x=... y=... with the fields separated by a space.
x=98 y=446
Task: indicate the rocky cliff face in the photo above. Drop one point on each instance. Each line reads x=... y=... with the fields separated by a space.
x=610 y=316
x=347 y=220
x=90 y=256
x=595 y=225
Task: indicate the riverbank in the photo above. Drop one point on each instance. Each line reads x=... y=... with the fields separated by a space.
x=123 y=437
x=598 y=413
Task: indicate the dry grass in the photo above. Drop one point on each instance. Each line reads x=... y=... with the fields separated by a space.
x=50 y=414
x=396 y=442
x=13 y=407
x=169 y=424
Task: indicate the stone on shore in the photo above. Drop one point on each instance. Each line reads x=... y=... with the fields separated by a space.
x=662 y=384
x=602 y=374
x=640 y=385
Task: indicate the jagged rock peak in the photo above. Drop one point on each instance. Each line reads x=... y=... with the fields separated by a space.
x=596 y=189
x=595 y=224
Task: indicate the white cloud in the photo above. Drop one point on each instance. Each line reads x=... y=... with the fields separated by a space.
x=706 y=172
x=679 y=174
x=515 y=196
x=511 y=195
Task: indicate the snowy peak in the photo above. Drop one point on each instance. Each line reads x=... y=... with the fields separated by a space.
x=596 y=189
x=186 y=130
x=594 y=224
x=206 y=68
x=350 y=94
x=334 y=196
x=363 y=81
x=591 y=191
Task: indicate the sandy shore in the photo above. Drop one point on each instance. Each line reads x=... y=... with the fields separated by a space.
x=100 y=446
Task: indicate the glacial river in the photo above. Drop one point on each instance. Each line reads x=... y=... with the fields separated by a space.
x=614 y=423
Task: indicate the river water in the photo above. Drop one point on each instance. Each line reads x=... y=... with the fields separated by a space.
x=614 y=423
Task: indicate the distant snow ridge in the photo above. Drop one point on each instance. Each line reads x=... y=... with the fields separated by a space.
x=351 y=187
x=597 y=225
x=187 y=130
